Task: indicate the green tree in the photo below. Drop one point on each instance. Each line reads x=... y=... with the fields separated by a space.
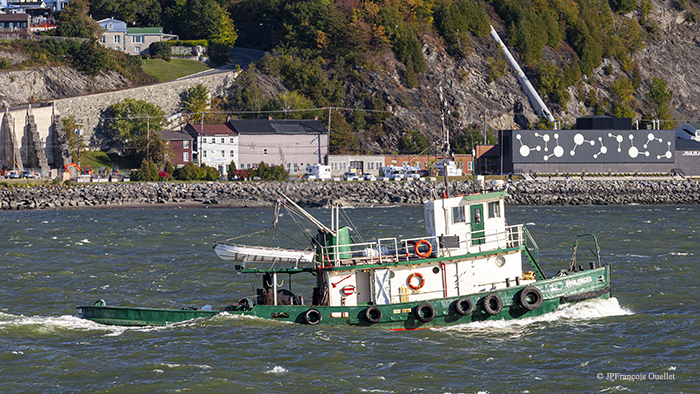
x=91 y=58
x=621 y=91
x=623 y=6
x=73 y=137
x=413 y=142
x=290 y=103
x=75 y=21
x=659 y=95
x=160 y=50
x=343 y=140
x=169 y=168
x=130 y=126
x=137 y=12
x=148 y=172
x=197 y=102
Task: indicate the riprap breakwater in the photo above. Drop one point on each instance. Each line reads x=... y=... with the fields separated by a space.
x=260 y=194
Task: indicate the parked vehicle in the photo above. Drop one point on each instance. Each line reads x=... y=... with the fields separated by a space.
x=350 y=176
x=368 y=177
x=317 y=171
x=13 y=174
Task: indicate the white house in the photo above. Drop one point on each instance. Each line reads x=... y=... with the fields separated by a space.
x=130 y=40
x=215 y=145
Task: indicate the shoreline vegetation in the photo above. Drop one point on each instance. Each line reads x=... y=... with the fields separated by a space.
x=322 y=194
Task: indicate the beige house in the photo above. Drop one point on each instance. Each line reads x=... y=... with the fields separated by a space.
x=132 y=40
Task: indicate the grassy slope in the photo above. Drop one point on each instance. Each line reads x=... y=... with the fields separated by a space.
x=174 y=69
x=99 y=159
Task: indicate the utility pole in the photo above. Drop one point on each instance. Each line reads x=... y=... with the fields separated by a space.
x=445 y=143
x=148 y=137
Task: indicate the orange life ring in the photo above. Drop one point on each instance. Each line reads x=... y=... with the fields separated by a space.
x=420 y=278
x=418 y=252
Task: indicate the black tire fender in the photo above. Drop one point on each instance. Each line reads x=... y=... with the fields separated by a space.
x=530 y=298
x=463 y=306
x=425 y=312
x=492 y=304
x=373 y=314
x=312 y=316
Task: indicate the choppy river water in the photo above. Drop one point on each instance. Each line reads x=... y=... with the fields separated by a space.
x=645 y=339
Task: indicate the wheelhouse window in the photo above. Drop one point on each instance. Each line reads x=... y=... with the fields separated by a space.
x=494 y=210
x=458 y=215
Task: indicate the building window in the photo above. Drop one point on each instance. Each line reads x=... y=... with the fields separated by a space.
x=231 y=153
x=222 y=140
x=185 y=157
x=232 y=140
x=248 y=166
x=419 y=165
x=117 y=39
x=137 y=49
x=223 y=153
x=458 y=215
x=470 y=166
x=204 y=153
x=103 y=39
x=494 y=210
x=265 y=152
x=109 y=26
x=185 y=144
x=137 y=39
x=204 y=140
x=296 y=168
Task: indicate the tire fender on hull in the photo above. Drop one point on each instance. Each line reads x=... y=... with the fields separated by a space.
x=312 y=316
x=492 y=304
x=530 y=298
x=463 y=306
x=424 y=312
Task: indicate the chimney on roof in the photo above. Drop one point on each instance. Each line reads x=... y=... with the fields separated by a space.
x=269 y=117
x=228 y=118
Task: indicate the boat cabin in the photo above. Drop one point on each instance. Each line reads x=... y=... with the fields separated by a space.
x=467 y=248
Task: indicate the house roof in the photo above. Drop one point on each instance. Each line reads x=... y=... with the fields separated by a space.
x=277 y=126
x=211 y=129
x=14 y=17
x=144 y=30
x=687 y=144
x=174 y=135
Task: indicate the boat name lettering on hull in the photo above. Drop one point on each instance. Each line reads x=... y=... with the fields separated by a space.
x=578 y=282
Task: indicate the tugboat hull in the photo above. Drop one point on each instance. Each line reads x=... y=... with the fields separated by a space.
x=517 y=302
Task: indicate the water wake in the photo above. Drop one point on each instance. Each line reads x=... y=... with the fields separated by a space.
x=586 y=310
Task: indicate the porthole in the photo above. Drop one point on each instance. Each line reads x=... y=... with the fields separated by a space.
x=436 y=270
x=500 y=261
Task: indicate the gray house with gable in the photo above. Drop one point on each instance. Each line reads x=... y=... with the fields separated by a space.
x=290 y=143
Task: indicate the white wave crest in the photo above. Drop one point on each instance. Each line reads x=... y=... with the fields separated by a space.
x=278 y=370
x=586 y=310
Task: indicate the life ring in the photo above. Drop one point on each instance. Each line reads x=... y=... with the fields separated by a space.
x=312 y=316
x=419 y=285
x=373 y=314
x=418 y=252
x=424 y=312
x=463 y=306
x=348 y=290
x=492 y=304
x=530 y=298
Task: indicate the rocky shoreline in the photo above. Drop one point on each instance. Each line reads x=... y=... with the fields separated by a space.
x=309 y=194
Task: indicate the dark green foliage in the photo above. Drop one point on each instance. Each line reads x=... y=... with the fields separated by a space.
x=75 y=21
x=231 y=169
x=219 y=53
x=413 y=142
x=269 y=173
x=497 y=68
x=464 y=142
x=144 y=13
x=659 y=95
x=191 y=172
x=4 y=64
x=623 y=6
x=169 y=168
x=160 y=50
x=551 y=82
x=147 y=173
x=454 y=20
x=622 y=105
x=91 y=58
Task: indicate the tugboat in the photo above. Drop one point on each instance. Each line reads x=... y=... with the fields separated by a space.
x=468 y=267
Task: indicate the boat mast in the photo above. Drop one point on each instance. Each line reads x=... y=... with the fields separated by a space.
x=307 y=215
x=445 y=143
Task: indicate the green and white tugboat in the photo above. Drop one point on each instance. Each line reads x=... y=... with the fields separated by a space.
x=468 y=267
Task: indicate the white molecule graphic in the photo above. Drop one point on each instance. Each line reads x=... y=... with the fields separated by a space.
x=558 y=150
x=651 y=137
x=603 y=149
x=619 y=139
x=545 y=137
x=579 y=140
x=524 y=149
x=633 y=151
x=668 y=153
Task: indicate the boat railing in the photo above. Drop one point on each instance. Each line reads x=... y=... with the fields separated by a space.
x=487 y=240
x=383 y=250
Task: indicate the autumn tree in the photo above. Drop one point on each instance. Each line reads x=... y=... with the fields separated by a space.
x=131 y=124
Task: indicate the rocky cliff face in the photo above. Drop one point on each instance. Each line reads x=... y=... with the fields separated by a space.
x=49 y=83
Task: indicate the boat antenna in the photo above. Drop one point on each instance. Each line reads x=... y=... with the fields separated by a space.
x=445 y=143
x=307 y=215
